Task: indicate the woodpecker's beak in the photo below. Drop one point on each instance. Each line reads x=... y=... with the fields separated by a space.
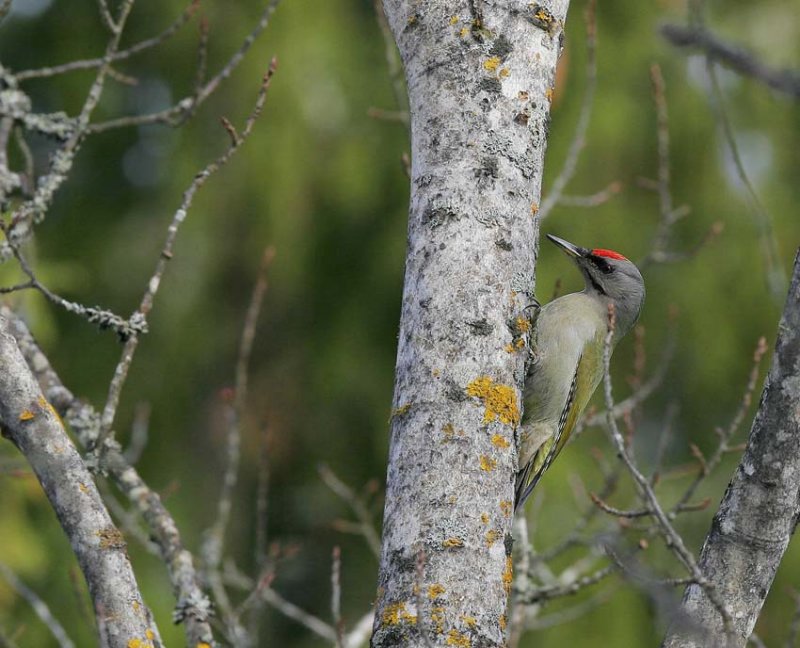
x=572 y=250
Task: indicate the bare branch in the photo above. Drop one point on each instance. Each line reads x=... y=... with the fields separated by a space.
x=121 y=55
x=32 y=424
x=140 y=315
x=553 y=197
x=39 y=606
x=733 y=57
x=758 y=514
x=192 y=606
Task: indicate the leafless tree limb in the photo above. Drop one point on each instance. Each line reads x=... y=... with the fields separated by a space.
x=733 y=57
x=31 y=423
x=759 y=512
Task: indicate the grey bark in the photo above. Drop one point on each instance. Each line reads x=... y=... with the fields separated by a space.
x=193 y=607
x=31 y=423
x=759 y=511
x=480 y=77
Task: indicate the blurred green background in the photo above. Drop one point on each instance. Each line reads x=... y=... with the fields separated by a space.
x=324 y=184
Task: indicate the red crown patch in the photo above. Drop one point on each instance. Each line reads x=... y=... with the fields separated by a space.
x=609 y=254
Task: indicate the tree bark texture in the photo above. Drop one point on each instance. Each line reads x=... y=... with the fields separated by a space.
x=759 y=512
x=31 y=423
x=480 y=77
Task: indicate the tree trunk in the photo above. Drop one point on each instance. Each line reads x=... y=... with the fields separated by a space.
x=480 y=79
x=759 y=512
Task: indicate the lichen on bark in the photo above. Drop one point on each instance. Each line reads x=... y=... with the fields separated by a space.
x=480 y=77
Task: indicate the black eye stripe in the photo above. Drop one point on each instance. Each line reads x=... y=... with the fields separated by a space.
x=601 y=264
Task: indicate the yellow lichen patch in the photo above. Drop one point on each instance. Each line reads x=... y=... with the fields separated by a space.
x=548 y=94
x=437 y=617
x=435 y=590
x=471 y=621
x=485 y=518
x=453 y=20
x=149 y=634
x=399 y=411
x=523 y=95
x=85 y=489
x=499 y=441
x=487 y=463
x=27 y=415
x=544 y=16
x=455 y=638
x=508 y=575
x=436 y=373
x=504 y=72
x=491 y=64
x=396 y=613
x=522 y=324
x=500 y=401
x=464 y=31
x=412 y=19
x=203 y=644
x=507 y=507
x=503 y=622
x=492 y=536
x=136 y=643
x=453 y=543
x=111 y=538
x=509 y=348
x=534 y=209
x=520 y=343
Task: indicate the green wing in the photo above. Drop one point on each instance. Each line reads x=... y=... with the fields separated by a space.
x=585 y=380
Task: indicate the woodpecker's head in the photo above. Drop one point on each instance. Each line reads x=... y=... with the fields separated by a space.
x=610 y=277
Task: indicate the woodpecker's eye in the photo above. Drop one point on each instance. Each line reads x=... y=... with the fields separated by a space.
x=604 y=266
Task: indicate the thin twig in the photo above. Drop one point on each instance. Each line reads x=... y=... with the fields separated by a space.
x=672 y=538
x=725 y=436
x=184 y=108
x=121 y=55
x=553 y=197
x=336 y=595
x=39 y=606
x=776 y=277
x=733 y=57
x=356 y=504
x=140 y=315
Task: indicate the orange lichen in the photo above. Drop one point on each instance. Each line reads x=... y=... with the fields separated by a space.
x=471 y=621
x=435 y=590
x=396 y=613
x=500 y=401
x=111 y=538
x=453 y=543
x=520 y=343
x=203 y=644
x=455 y=638
x=534 y=208
x=27 y=415
x=507 y=507
x=503 y=622
x=491 y=64
x=487 y=463
x=508 y=575
x=504 y=72
x=499 y=441
x=548 y=94
x=492 y=536
x=485 y=518
x=522 y=324
x=509 y=348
